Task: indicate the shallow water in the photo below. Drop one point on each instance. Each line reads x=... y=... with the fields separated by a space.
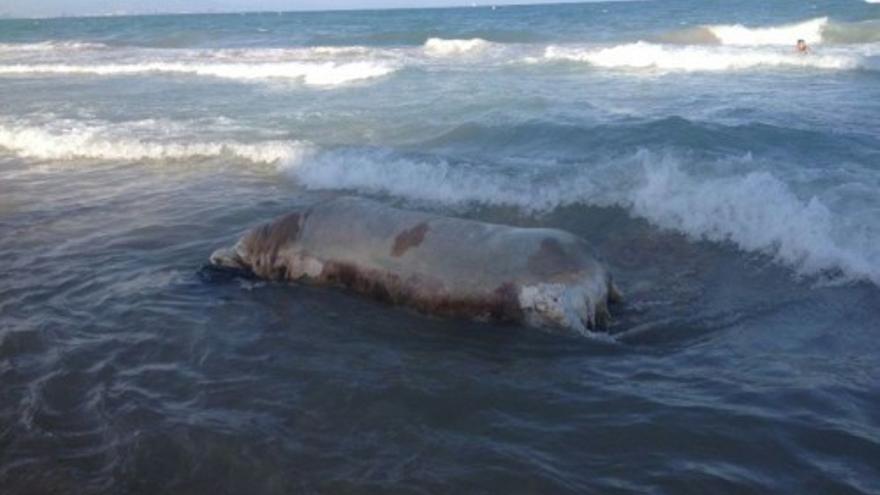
x=734 y=196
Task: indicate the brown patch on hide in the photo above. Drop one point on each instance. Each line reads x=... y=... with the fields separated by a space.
x=425 y=294
x=502 y=304
x=409 y=238
x=551 y=259
x=507 y=295
x=264 y=243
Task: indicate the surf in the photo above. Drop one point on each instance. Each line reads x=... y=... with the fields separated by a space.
x=813 y=31
x=439 y=47
x=645 y=55
x=311 y=74
x=108 y=141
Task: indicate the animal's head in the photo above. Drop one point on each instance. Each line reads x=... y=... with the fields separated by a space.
x=230 y=258
x=258 y=250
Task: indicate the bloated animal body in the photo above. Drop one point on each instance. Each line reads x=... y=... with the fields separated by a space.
x=439 y=265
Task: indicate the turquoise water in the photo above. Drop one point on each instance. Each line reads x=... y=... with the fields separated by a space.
x=731 y=184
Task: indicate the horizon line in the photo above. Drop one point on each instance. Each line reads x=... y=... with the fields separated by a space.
x=473 y=5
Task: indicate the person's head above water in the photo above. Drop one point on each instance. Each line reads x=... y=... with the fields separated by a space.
x=802 y=46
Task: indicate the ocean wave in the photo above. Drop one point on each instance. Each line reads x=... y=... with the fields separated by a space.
x=51 y=46
x=301 y=54
x=643 y=55
x=801 y=233
x=246 y=54
x=853 y=32
x=310 y=73
x=787 y=34
x=394 y=36
x=813 y=31
x=108 y=141
x=448 y=47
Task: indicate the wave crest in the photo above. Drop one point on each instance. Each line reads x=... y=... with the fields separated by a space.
x=99 y=142
x=813 y=31
x=787 y=34
x=51 y=46
x=439 y=47
x=642 y=55
x=313 y=74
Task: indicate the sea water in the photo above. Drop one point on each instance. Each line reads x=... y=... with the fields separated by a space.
x=731 y=184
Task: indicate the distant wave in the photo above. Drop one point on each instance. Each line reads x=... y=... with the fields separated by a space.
x=787 y=34
x=301 y=54
x=323 y=66
x=400 y=36
x=310 y=73
x=51 y=46
x=800 y=233
x=315 y=66
x=100 y=142
x=642 y=55
x=813 y=31
x=448 y=47
x=853 y=32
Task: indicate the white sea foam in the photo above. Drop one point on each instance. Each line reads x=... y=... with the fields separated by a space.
x=316 y=66
x=737 y=34
x=302 y=54
x=813 y=31
x=310 y=73
x=51 y=46
x=439 y=47
x=800 y=232
x=642 y=55
x=86 y=51
x=113 y=142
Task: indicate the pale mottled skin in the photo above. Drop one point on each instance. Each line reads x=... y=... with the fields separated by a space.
x=540 y=277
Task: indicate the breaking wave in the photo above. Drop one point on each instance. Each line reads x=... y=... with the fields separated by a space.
x=801 y=233
x=854 y=32
x=113 y=142
x=51 y=46
x=813 y=31
x=643 y=55
x=737 y=34
x=298 y=54
x=443 y=47
x=310 y=73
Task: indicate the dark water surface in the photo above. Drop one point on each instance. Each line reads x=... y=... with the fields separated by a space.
x=130 y=370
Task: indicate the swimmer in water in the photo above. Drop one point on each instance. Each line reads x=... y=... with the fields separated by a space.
x=802 y=47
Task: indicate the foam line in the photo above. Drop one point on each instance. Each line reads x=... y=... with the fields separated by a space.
x=310 y=73
x=643 y=55
x=99 y=142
